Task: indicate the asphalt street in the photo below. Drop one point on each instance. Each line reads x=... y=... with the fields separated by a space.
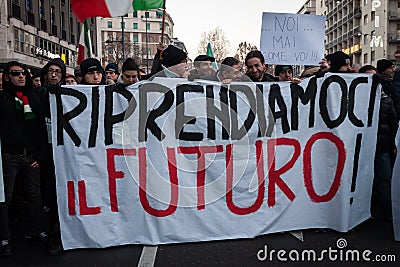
x=372 y=242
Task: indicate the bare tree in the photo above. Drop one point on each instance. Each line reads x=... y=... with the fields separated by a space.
x=243 y=49
x=220 y=44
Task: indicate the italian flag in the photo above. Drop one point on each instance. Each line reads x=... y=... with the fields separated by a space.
x=85 y=45
x=84 y=9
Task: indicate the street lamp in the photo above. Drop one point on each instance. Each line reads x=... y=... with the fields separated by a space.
x=122 y=41
x=146 y=16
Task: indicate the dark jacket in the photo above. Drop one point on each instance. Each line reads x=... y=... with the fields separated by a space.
x=387 y=125
x=266 y=78
x=19 y=135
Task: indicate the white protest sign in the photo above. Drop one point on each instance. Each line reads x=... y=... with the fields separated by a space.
x=2 y=197
x=188 y=161
x=292 y=39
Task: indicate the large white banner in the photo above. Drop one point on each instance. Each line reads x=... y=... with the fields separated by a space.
x=292 y=39
x=396 y=192
x=172 y=161
x=2 y=197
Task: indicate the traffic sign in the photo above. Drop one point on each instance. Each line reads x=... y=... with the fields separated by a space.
x=397 y=54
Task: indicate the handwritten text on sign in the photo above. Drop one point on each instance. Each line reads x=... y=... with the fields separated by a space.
x=160 y=164
x=294 y=39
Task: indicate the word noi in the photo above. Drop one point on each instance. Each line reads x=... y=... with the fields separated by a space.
x=263 y=110
x=275 y=179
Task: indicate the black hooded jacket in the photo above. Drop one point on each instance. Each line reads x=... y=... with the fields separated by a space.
x=19 y=135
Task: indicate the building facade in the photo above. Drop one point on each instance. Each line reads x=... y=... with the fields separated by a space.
x=142 y=33
x=35 y=31
x=368 y=30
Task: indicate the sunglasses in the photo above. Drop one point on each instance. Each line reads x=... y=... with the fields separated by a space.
x=17 y=72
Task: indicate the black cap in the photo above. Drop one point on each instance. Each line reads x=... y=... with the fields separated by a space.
x=112 y=67
x=279 y=68
x=204 y=58
x=383 y=64
x=339 y=59
x=172 y=55
x=90 y=64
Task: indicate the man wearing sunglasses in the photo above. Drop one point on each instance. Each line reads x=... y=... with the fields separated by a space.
x=23 y=138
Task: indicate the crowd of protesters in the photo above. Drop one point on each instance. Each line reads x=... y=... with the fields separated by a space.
x=25 y=121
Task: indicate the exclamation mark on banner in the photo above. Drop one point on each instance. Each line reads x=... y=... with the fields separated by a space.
x=355 y=166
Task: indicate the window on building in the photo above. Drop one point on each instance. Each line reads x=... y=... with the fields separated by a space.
x=53 y=15
x=365 y=39
x=109 y=24
x=148 y=26
x=135 y=13
x=122 y=25
x=159 y=14
x=62 y=22
x=135 y=26
x=365 y=58
x=373 y=16
x=365 y=2
x=41 y=9
x=28 y=4
x=366 y=19
x=71 y=22
x=398 y=26
x=372 y=55
x=160 y=26
x=136 y=38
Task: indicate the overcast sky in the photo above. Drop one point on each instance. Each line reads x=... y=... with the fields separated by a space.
x=239 y=19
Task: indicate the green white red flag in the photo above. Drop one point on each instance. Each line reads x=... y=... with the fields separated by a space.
x=84 y=9
x=85 y=44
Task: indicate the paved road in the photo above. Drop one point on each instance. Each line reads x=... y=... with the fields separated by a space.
x=376 y=236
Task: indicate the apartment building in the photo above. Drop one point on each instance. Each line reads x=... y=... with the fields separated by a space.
x=35 y=31
x=135 y=35
x=368 y=30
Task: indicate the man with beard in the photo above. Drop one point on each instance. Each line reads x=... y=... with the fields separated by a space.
x=256 y=67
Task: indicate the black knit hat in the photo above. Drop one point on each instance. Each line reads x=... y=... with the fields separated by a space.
x=112 y=67
x=35 y=74
x=383 y=64
x=90 y=64
x=172 y=55
x=339 y=59
x=56 y=62
x=279 y=68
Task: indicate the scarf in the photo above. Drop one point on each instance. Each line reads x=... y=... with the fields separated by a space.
x=22 y=103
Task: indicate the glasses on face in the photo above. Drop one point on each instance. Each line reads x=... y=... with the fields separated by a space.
x=17 y=72
x=51 y=71
x=130 y=76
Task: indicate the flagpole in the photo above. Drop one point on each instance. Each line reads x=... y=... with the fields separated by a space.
x=163 y=23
